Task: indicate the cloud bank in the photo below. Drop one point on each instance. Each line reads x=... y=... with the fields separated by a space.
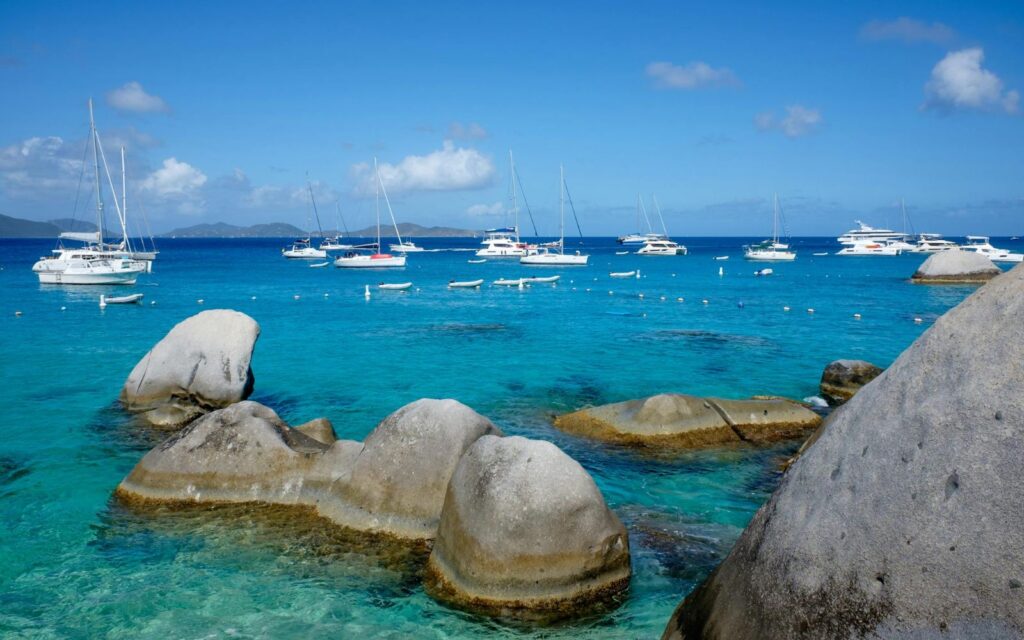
x=450 y=168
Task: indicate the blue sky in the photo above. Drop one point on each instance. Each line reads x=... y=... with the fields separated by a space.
x=224 y=108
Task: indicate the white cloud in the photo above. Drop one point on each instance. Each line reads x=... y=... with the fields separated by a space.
x=174 y=178
x=37 y=168
x=450 y=168
x=798 y=121
x=959 y=82
x=474 y=131
x=486 y=209
x=907 y=30
x=133 y=98
x=696 y=75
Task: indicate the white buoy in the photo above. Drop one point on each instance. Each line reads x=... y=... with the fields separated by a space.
x=641 y=296
x=588 y=290
x=63 y=308
x=254 y=297
x=199 y=301
x=327 y=295
x=785 y=308
x=103 y=301
x=611 y=293
x=521 y=284
x=680 y=299
x=810 y=310
x=673 y=275
x=296 y=296
x=856 y=316
x=152 y=302
x=918 y=320
x=17 y=313
x=663 y=298
x=721 y=271
x=637 y=274
x=366 y=292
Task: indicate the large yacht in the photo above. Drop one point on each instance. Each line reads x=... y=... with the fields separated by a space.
x=980 y=244
x=865 y=233
x=869 y=248
x=932 y=243
x=504 y=243
x=661 y=247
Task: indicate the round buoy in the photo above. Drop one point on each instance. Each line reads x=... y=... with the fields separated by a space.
x=152 y=302
x=785 y=308
x=327 y=295
x=740 y=304
x=611 y=293
x=810 y=310
x=254 y=297
x=663 y=298
x=63 y=308
x=296 y=296
x=199 y=301
x=641 y=296
x=588 y=290
x=856 y=316
x=17 y=313
x=704 y=301
x=679 y=299
x=918 y=320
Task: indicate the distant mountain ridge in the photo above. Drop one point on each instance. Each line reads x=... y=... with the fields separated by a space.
x=11 y=227
x=70 y=224
x=284 y=230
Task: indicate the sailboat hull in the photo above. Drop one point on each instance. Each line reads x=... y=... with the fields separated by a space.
x=555 y=260
x=370 y=262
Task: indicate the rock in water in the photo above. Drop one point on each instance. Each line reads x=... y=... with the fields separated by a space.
x=954 y=266
x=677 y=420
x=201 y=365
x=904 y=519
x=320 y=429
x=525 y=530
x=397 y=485
x=843 y=378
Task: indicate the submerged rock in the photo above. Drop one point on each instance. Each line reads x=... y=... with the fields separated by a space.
x=955 y=266
x=684 y=421
x=843 y=378
x=201 y=365
x=904 y=518
x=525 y=530
x=397 y=485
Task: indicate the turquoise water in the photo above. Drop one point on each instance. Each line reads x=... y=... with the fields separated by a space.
x=74 y=564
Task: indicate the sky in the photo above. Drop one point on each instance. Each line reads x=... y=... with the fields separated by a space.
x=227 y=111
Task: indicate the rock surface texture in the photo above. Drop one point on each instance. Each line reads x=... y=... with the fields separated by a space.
x=955 y=267
x=201 y=365
x=843 y=378
x=525 y=529
x=905 y=518
x=684 y=421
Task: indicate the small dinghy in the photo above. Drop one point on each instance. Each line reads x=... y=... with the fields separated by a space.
x=622 y=274
x=399 y=286
x=721 y=257
x=480 y=261
x=318 y=265
x=764 y=272
x=132 y=299
x=465 y=284
x=542 y=279
x=823 y=253
x=621 y=253
x=504 y=282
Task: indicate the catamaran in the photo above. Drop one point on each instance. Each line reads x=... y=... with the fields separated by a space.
x=334 y=243
x=771 y=250
x=639 y=237
x=981 y=245
x=656 y=245
x=504 y=242
x=405 y=247
x=932 y=243
x=303 y=247
x=377 y=260
x=547 y=256
x=96 y=262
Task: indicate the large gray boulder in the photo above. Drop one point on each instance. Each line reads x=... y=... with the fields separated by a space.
x=398 y=482
x=955 y=266
x=905 y=519
x=843 y=378
x=683 y=421
x=201 y=365
x=525 y=530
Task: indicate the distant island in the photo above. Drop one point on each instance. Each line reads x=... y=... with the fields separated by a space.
x=283 y=230
x=11 y=227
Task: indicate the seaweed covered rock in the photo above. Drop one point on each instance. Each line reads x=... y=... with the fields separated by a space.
x=685 y=421
x=903 y=519
x=955 y=266
x=201 y=365
x=843 y=378
x=525 y=530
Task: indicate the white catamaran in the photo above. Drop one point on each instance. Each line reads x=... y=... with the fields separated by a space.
x=376 y=260
x=770 y=250
x=655 y=245
x=96 y=261
x=505 y=242
x=547 y=256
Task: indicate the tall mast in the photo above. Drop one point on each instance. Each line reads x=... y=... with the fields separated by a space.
x=561 y=207
x=376 y=172
x=391 y=212
x=657 y=207
x=312 y=199
x=515 y=203
x=124 y=202
x=775 y=220
x=96 y=166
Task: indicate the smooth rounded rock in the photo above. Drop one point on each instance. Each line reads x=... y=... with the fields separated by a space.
x=201 y=365
x=843 y=378
x=904 y=518
x=319 y=429
x=955 y=266
x=525 y=531
x=684 y=421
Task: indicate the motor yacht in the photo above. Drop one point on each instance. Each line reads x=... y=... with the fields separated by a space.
x=869 y=248
x=867 y=233
x=304 y=249
x=662 y=247
x=981 y=245
x=932 y=243
x=405 y=247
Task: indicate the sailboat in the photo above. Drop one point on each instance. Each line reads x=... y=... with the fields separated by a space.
x=505 y=242
x=95 y=262
x=770 y=250
x=556 y=256
x=656 y=245
x=353 y=260
x=303 y=247
x=639 y=237
x=334 y=243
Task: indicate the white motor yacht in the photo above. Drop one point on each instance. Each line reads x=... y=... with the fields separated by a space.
x=867 y=233
x=981 y=245
x=405 y=247
x=662 y=247
x=770 y=250
x=932 y=243
x=868 y=248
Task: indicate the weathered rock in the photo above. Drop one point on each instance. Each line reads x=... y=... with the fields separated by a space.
x=398 y=483
x=954 y=266
x=904 y=518
x=201 y=365
x=684 y=421
x=525 y=530
x=243 y=453
x=320 y=429
x=843 y=378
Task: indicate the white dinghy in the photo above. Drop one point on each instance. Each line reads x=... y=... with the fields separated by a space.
x=505 y=282
x=542 y=279
x=622 y=274
x=319 y=265
x=129 y=299
x=465 y=284
x=399 y=286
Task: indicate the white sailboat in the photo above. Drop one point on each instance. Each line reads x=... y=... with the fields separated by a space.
x=505 y=242
x=547 y=256
x=303 y=248
x=771 y=250
x=407 y=246
x=96 y=262
x=353 y=260
x=334 y=243
x=639 y=237
x=656 y=245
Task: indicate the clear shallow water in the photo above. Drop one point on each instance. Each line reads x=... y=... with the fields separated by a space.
x=75 y=564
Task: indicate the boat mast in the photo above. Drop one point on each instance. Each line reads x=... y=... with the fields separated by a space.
x=391 y=212
x=96 y=166
x=775 y=220
x=561 y=208
x=376 y=172
x=312 y=199
x=515 y=203
x=657 y=207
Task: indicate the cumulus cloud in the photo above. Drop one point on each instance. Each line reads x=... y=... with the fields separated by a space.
x=174 y=178
x=907 y=30
x=131 y=97
x=798 y=121
x=38 y=167
x=450 y=168
x=473 y=131
x=486 y=209
x=695 y=75
x=958 y=81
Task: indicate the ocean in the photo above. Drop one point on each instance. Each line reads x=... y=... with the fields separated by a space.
x=76 y=564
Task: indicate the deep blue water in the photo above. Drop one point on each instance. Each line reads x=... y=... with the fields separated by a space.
x=75 y=564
